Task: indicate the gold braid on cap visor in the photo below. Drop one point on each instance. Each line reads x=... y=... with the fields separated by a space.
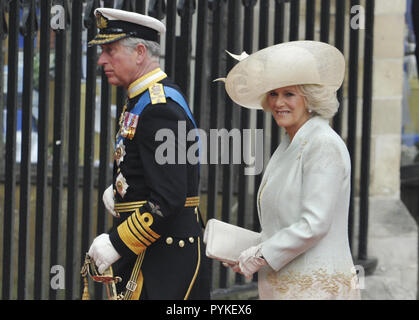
x=105 y=38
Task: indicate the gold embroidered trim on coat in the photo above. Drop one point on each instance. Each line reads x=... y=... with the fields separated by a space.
x=313 y=283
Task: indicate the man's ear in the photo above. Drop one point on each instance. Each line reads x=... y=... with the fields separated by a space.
x=142 y=52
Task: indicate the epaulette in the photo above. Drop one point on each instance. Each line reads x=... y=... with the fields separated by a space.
x=157 y=94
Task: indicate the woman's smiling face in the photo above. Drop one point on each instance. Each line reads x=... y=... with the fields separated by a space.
x=288 y=108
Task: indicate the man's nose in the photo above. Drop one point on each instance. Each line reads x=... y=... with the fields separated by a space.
x=101 y=61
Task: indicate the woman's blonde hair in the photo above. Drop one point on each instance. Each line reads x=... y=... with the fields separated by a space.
x=321 y=100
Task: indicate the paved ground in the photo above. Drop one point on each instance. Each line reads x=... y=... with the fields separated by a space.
x=393 y=240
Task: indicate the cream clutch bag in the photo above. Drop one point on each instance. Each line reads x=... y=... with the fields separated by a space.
x=226 y=241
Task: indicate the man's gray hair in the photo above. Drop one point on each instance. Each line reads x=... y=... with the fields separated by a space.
x=153 y=48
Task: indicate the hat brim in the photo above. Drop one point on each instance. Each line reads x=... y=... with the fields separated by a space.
x=106 y=38
x=283 y=65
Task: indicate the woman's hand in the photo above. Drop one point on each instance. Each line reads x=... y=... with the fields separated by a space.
x=234 y=266
x=251 y=260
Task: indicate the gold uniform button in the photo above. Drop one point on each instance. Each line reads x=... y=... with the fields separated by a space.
x=169 y=240
x=191 y=240
x=114 y=192
x=181 y=243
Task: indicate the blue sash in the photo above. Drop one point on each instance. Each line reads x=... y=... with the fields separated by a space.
x=170 y=93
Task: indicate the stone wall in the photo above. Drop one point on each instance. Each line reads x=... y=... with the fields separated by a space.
x=393 y=233
x=387 y=98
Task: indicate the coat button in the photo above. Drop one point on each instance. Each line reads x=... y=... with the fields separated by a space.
x=191 y=240
x=169 y=240
x=181 y=243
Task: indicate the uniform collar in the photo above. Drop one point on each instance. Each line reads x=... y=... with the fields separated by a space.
x=143 y=83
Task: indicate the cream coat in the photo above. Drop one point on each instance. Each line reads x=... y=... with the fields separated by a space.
x=303 y=204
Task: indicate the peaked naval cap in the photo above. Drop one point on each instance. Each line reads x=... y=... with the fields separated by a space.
x=115 y=24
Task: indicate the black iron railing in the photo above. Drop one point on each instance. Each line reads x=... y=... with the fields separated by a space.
x=52 y=209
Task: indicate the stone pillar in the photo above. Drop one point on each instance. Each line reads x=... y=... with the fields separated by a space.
x=387 y=98
x=393 y=233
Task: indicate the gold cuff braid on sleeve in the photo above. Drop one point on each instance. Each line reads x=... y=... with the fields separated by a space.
x=136 y=231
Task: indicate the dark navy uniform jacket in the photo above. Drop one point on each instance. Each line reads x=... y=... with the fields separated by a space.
x=168 y=240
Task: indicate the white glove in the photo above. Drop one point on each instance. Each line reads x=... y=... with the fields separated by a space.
x=251 y=260
x=103 y=253
x=109 y=201
x=234 y=266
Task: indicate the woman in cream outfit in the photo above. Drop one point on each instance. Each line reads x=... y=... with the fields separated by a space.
x=303 y=199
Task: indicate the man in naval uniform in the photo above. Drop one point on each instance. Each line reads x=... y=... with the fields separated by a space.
x=156 y=247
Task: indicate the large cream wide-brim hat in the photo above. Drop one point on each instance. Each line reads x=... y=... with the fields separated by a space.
x=283 y=65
